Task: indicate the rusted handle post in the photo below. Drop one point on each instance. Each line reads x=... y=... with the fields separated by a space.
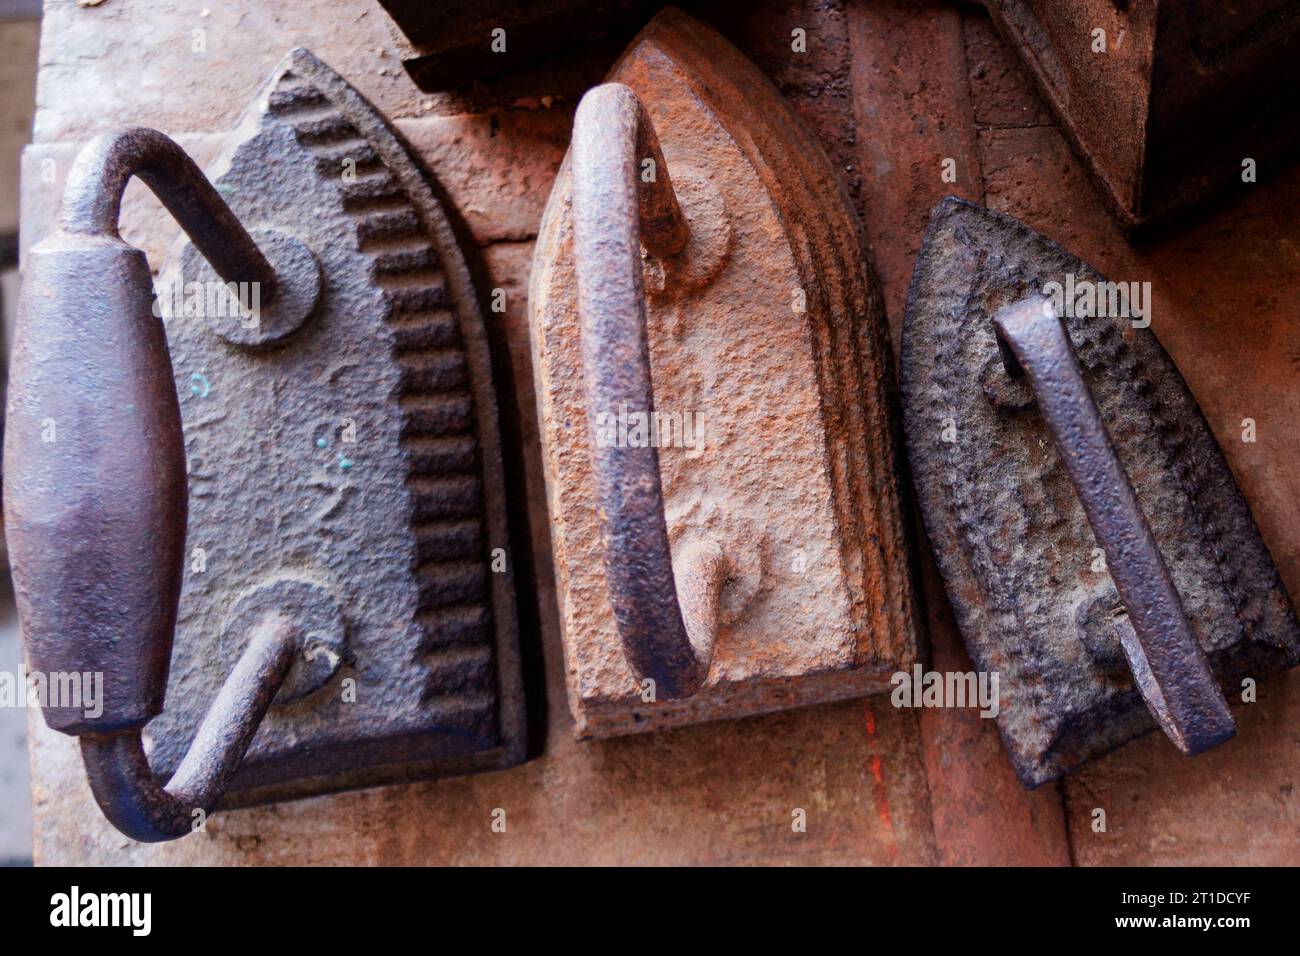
x=95 y=484
x=1163 y=653
x=623 y=198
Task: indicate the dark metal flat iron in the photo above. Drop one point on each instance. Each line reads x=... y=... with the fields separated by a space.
x=1096 y=550
x=340 y=600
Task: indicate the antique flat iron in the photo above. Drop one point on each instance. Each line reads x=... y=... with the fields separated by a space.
x=760 y=563
x=342 y=601
x=1096 y=550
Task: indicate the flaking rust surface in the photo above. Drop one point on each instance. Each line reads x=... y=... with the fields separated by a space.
x=397 y=346
x=1221 y=290
x=796 y=476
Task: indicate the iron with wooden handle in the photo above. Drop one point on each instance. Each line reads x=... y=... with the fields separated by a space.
x=95 y=487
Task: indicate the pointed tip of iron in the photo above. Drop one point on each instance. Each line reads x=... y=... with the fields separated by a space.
x=953 y=203
x=301 y=62
x=300 y=57
x=670 y=14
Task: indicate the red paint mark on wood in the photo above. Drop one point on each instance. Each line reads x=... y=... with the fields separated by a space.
x=879 y=791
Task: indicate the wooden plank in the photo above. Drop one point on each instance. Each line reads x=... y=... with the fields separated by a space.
x=913 y=110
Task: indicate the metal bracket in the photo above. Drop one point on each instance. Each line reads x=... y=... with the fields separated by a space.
x=347 y=612
x=1039 y=444
x=766 y=567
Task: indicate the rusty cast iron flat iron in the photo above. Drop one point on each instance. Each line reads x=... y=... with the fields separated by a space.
x=1096 y=550
x=347 y=610
x=761 y=563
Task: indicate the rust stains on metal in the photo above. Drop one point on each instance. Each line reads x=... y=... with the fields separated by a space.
x=95 y=488
x=118 y=768
x=359 y=456
x=768 y=326
x=96 y=517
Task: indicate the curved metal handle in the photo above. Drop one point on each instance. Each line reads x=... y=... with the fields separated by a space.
x=666 y=622
x=1163 y=653
x=95 y=485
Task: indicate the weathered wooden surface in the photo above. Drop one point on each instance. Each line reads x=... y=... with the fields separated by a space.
x=892 y=88
x=912 y=110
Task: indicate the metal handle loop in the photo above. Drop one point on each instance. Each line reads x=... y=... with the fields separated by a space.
x=623 y=198
x=1167 y=661
x=119 y=772
x=95 y=515
x=92 y=201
